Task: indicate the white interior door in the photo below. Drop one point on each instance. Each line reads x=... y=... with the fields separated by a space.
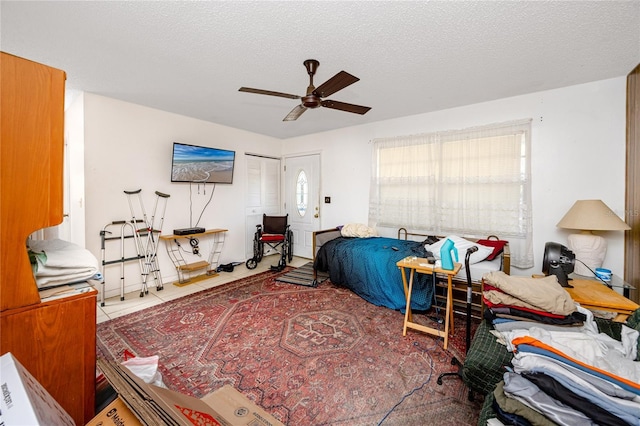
x=263 y=194
x=302 y=201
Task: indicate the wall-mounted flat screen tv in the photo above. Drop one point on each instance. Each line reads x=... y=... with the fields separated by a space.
x=201 y=164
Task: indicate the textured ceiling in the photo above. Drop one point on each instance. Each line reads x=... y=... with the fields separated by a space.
x=190 y=58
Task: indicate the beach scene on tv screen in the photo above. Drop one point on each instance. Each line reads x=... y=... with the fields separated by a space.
x=201 y=164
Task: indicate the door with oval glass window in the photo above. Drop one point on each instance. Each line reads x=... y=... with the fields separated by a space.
x=302 y=198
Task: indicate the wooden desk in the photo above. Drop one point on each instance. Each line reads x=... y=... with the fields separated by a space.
x=591 y=294
x=185 y=269
x=422 y=266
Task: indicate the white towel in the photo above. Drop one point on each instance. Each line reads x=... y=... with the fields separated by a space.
x=66 y=263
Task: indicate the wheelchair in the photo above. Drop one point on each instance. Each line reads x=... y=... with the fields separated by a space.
x=274 y=232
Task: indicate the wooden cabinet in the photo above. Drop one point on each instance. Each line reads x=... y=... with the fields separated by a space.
x=56 y=343
x=54 y=340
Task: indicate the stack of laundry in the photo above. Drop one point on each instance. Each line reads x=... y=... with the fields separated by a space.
x=521 y=302
x=563 y=374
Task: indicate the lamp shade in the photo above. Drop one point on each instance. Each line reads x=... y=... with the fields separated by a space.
x=592 y=215
x=590 y=249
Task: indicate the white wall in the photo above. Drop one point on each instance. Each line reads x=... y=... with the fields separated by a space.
x=128 y=147
x=73 y=227
x=578 y=152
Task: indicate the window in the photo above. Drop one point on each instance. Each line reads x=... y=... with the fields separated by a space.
x=473 y=182
x=302 y=193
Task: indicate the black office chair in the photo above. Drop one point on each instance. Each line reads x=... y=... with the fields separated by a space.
x=274 y=232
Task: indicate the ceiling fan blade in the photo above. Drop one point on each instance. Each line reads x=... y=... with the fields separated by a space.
x=295 y=113
x=335 y=83
x=356 y=109
x=268 y=92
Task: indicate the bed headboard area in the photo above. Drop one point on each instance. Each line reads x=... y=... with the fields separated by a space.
x=321 y=237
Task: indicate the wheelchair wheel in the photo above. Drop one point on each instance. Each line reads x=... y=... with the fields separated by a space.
x=251 y=263
x=290 y=246
x=258 y=250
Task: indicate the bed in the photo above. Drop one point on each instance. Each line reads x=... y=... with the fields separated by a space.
x=367 y=266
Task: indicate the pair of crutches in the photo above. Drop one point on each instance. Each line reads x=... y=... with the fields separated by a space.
x=147 y=237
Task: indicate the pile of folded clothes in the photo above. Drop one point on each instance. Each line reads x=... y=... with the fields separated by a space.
x=521 y=302
x=564 y=371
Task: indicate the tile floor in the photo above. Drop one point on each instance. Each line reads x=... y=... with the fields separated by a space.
x=132 y=302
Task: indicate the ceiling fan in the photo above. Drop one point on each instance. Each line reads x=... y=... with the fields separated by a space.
x=313 y=98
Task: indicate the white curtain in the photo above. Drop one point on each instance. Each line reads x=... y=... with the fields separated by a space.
x=473 y=182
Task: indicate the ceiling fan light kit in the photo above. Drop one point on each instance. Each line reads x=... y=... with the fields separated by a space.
x=313 y=98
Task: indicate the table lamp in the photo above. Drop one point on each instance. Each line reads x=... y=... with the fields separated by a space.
x=587 y=216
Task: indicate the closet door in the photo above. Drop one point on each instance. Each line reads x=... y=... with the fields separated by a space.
x=263 y=194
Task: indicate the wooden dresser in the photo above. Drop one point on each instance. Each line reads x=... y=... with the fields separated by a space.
x=56 y=340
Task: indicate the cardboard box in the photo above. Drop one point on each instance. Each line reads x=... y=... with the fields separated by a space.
x=184 y=409
x=115 y=414
x=156 y=405
x=24 y=400
x=239 y=410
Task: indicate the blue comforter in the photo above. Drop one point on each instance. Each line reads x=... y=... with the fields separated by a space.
x=367 y=266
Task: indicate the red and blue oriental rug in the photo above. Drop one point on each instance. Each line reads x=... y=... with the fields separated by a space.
x=309 y=356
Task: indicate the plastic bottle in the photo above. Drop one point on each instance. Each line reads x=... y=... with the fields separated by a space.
x=446 y=255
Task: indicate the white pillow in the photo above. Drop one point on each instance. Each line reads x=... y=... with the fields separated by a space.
x=461 y=245
x=358 y=230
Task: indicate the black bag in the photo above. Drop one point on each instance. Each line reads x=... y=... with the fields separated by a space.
x=226 y=268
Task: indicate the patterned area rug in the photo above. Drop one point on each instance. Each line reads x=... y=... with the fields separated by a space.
x=309 y=356
x=303 y=275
